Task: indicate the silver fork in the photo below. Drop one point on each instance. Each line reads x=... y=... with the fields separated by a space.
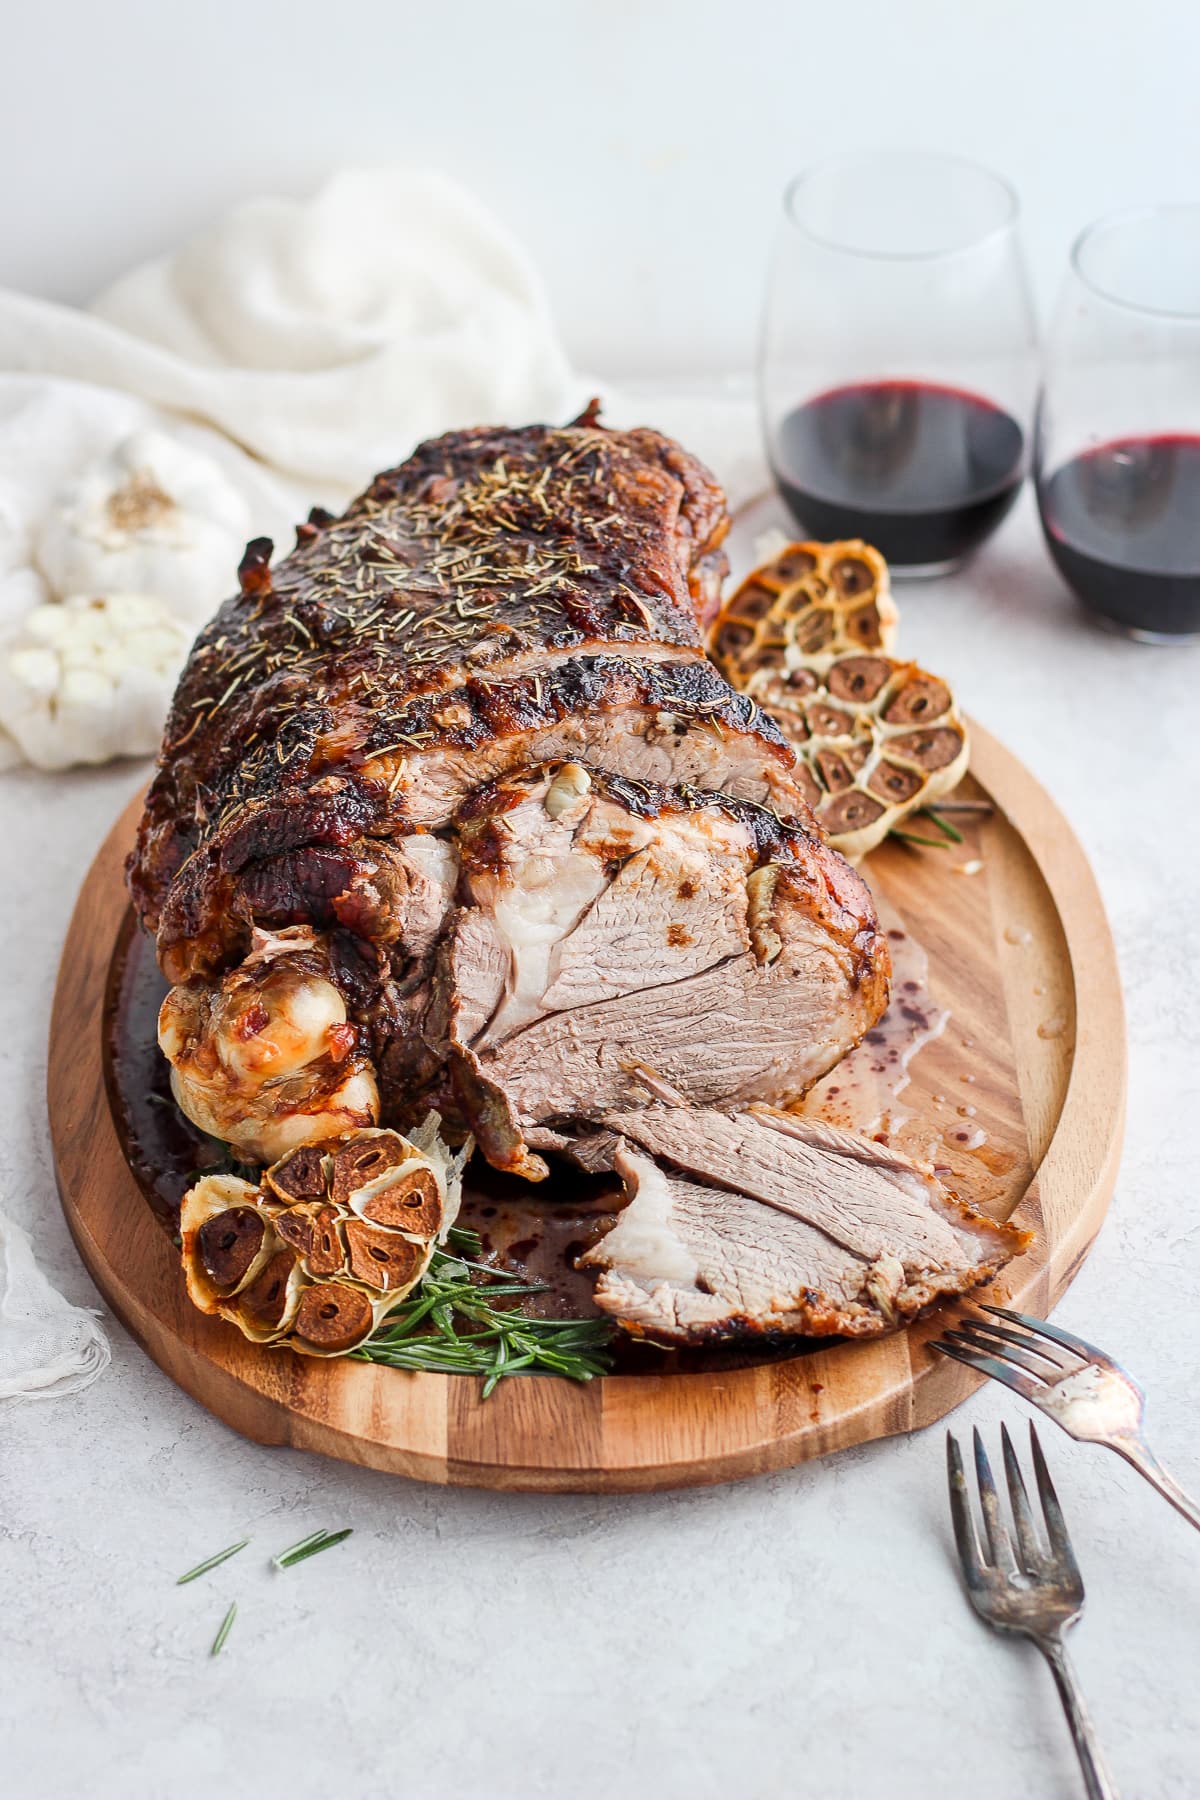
x=1092 y=1397
x=1035 y=1591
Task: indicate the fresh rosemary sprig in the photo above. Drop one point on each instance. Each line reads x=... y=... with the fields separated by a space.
x=950 y=833
x=461 y=1320
x=310 y=1546
x=910 y=837
x=213 y=1562
x=226 y=1628
x=944 y=826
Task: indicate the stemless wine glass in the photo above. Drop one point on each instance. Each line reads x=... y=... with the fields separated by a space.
x=897 y=364
x=1118 y=432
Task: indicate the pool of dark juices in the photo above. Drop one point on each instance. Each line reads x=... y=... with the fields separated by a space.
x=535 y=1232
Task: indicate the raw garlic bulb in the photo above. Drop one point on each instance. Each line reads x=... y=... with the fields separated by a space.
x=87 y=680
x=151 y=517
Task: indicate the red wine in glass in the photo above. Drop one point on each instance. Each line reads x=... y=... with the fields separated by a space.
x=1122 y=523
x=922 y=471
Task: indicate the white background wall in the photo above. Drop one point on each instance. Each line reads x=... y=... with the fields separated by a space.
x=638 y=147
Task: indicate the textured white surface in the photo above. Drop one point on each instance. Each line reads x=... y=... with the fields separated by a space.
x=800 y=1636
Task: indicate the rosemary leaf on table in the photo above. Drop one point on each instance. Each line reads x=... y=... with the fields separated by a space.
x=314 y=1537
x=310 y=1546
x=213 y=1562
x=462 y=1320
x=226 y=1628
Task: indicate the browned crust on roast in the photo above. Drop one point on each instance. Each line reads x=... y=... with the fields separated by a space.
x=484 y=547
x=327 y=824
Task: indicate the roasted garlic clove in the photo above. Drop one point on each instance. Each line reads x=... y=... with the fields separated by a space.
x=410 y=1201
x=228 y=1246
x=332 y=1318
x=210 y=1262
x=266 y=1308
x=326 y=1253
x=383 y=1259
x=363 y=1159
x=300 y=1176
x=294 y=1225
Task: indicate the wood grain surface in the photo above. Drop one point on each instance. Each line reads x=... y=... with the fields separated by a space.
x=1020 y=953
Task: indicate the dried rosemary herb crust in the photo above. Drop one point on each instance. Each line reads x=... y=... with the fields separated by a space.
x=502 y=597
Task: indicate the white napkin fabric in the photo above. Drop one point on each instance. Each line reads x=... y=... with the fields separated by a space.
x=47 y=1346
x=328 y=336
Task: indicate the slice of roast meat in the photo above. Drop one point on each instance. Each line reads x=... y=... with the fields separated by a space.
x=763 y=1224
x=617 y=942
x=467 y=737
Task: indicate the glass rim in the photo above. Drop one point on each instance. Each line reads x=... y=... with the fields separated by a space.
x=946 y=159
x=1113 y=221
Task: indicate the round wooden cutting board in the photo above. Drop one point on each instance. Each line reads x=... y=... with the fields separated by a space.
x=1019 y=952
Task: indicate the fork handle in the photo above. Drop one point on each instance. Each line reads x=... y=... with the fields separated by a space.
x=1096 y=1778
x=1135 y=1450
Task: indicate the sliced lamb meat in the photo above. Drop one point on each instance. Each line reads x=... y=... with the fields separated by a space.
x=764 y=1224
x=467 y=735
x=618 y=942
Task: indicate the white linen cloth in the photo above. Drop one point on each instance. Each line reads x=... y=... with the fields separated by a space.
x=47 y=1346
x=304 y=345
x=327 y=336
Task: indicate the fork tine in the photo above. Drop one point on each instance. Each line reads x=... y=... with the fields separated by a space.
x=960 y=1513
x=1056 y=1525
x=1027 y=1541
x=976 y=1337
x=1043 y=1328
x=987 y=1365
x=1000 y=1550
x=1021 y=1338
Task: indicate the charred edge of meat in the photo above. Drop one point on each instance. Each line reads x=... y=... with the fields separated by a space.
x=771 y=833
x=183 y=869
x=512 y=539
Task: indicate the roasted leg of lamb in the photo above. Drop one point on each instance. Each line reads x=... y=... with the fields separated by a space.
x=452 y=812
x=453 y=816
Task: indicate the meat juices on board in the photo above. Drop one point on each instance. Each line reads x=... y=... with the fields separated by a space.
x=862 y=1093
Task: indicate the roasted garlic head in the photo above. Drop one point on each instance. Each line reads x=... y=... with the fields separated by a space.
x=809 y=600
x=807 y=636
x=330 y=1240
